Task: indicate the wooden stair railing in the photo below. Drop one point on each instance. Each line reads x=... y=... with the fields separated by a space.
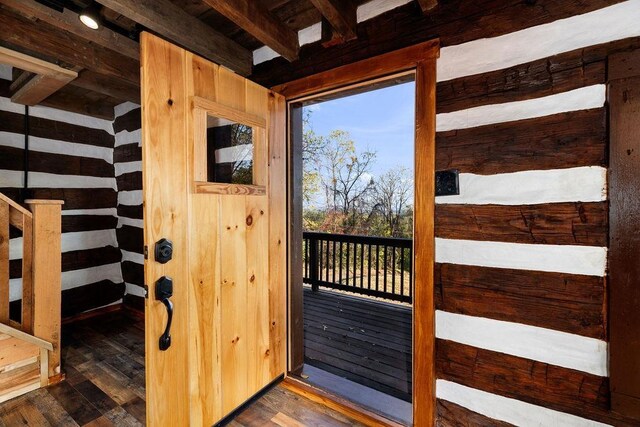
x=41 y=277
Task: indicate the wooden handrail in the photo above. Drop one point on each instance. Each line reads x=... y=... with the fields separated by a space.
x=41 y=275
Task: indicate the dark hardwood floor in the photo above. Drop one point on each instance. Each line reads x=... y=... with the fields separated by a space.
x=103 y=359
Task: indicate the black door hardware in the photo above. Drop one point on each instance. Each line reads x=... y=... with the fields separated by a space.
x=163 y=251
x=164 y=291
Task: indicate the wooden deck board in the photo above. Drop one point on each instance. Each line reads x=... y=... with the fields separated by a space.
x=363 y=340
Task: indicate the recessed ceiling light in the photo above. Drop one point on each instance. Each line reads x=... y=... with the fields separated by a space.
x=90 y=16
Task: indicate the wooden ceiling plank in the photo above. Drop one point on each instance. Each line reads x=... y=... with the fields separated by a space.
x=50 y=42
x=258 y=21
x=341 y=14
x=68 y=21
x=173 y=23
x=37 y=89
x=427 y=5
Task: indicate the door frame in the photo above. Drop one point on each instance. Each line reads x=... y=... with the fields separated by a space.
x=419 y=60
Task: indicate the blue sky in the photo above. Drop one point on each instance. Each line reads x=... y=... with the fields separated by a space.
x=381 y=120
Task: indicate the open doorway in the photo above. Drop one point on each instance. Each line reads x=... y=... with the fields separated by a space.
x=356 y=190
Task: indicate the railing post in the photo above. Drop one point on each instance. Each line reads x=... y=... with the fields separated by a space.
x=47 y=266
x=313 y=264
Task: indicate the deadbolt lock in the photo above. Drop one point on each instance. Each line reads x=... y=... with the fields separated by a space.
x=163 y=251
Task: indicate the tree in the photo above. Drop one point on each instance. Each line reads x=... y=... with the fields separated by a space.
x=392 y=201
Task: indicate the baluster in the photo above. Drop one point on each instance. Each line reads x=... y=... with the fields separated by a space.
x=402 y=271
x=333 y=266
x=385 y=269
x=369 y=266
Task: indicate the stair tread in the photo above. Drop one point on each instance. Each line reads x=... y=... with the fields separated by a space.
x=15 y=353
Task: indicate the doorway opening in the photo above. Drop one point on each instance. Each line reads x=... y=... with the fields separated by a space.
x=352 y=216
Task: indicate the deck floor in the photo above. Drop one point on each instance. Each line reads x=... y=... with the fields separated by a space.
x=103 y=359
x=364 y=340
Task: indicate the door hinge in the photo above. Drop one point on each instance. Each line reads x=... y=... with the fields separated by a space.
x=146 y=252
x=146 y=291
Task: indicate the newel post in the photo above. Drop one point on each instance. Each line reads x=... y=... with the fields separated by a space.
x=47 y=272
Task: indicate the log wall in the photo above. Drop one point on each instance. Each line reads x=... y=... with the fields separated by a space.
x=70 y=158
x=521 y=253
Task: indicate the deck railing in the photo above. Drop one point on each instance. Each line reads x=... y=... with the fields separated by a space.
x=374 y=266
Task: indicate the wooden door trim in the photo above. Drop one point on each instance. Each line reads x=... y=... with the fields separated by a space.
x=420 y=60
x=361 y=71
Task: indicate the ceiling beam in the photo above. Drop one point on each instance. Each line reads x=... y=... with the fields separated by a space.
x=47 y=78
x=341 y=15
x=50 y=42
x=105 y=85
x=173 y=23
x=257 y=20
x=69 y=101
x=427 y=5
x=68 y=21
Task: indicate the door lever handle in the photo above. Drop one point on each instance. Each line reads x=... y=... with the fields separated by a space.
x=164 y=291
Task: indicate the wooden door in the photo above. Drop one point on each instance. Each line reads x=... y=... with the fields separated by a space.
x=228 y=264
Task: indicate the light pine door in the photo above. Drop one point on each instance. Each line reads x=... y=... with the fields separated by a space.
x=228 y=264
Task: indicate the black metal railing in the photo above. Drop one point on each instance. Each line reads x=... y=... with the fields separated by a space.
x=374 y=266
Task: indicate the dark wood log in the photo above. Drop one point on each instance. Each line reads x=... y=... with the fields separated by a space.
x=74 y=223
x=107 y=85
x=452 y=415
x=77 y=260
x=427 y=5
x=129 y=181
x=130 y=211
x=130 y=121
x=61 y=131
x=341 y=14
x=454 y=22
x=257 y=20
x=559 y=141
x=624 y=252
x=13 y=159
x=51 y=42
x=127 y=153
x=74 y=198
x=564 y=302
x=82 y=101
x=133 y=273
x=90 y=296
x=554 y=387
x=173 y=23
x=68 y=21
x=553 y=223
x=559 y=73
x=130 y=238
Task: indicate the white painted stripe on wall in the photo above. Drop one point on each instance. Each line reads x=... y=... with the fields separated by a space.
x=7 y=105
x=99 y=211
x=6 y=72
x=313 y=33
x=15 y=179
x=234 y=154
x=582 y=184
x=586 y=260
x=134 y=290
x=124 y=108
x=377 y=7
x=72 y=118
x=127 y=167
x=310 y=34
x=531 y=342
x=75 y=241
x=76 y=278
x=125 y=137
x=130 y=198
x=132 y=257
x=506 y=409
x=615 y=22
x=578 y=99
x=54 y=146
x=123 y=220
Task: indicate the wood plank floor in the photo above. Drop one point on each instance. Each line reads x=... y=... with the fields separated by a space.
x=103 y=359
x=363 y=340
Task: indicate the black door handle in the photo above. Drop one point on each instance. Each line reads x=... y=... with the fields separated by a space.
x=164 y=291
